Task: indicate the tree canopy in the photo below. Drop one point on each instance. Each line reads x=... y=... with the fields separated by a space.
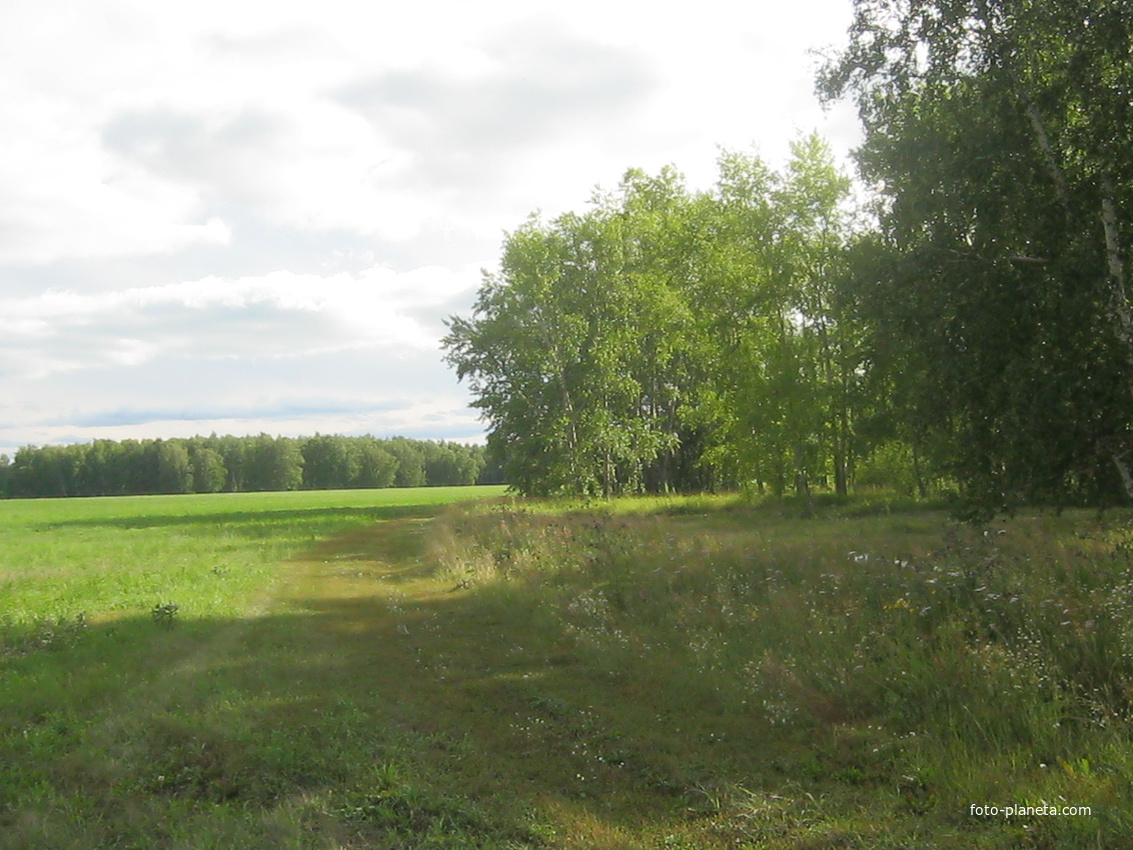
x=969 y=329
x=671 y=339
x=214 y=464
x=996 y=139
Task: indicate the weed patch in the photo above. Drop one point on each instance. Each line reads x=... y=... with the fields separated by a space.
x=969 y=658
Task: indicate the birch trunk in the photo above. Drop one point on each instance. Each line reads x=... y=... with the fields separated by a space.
x=1118 y=305
x=1119 y=314
x=1049 y=156
x=1123 y=471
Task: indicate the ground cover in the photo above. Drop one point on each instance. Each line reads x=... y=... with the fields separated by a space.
x=105 y=603
x=647 y=673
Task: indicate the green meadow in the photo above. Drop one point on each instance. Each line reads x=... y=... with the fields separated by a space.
x=450 y=668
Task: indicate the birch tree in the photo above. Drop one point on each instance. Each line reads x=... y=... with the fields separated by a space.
x=996 y=132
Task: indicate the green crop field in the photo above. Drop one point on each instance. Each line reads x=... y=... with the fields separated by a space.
x=390 y=669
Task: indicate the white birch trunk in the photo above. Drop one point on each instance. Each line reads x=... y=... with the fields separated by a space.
x=1118 y=303
x=1119 y=313
x=1049 y=155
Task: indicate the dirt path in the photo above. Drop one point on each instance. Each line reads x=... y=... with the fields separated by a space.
x=480 y=701
x=366 y=702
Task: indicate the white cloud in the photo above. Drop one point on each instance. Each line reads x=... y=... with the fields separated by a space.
x=231 y=214
x=383 y=391
x=124 y=127
x=535 y=83
x=280 y=315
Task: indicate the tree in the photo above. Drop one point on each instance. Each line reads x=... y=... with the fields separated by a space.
x=329 y=462
x=996 y=132
x=273 y=463
x=376 y=466
x=209 y=474
x=554 y=353
x=812 y=203
x=210 y=464
x=663 y=228
x=410 y=469
x=101 y=474
x=47 y=471
x=672 y=339
x=782 y=359
x=521 y=354
x=451 y=464
x=174 y=467
x=235 y=453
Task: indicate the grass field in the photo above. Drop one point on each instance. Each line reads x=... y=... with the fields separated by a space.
x=387 y=669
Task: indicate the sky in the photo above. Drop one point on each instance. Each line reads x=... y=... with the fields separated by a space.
x=245 y=217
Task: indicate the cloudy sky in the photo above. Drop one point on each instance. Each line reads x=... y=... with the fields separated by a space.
x=254 y=216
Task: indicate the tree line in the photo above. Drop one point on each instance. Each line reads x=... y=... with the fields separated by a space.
x=229 y=464
x=962 y=323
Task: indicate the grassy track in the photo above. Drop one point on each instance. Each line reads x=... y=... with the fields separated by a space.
x=365 y=670
x=89 y=680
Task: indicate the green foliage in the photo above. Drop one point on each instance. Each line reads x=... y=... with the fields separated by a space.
x=994 y=296
x=672 y=340
x=377 y=467
x=212 y=464
x=174 y=468
x=328 y=460
x=410 y=470
x=450 y=464
x=759 y=335
x=272 y=463
x=550 y=360
x=209 y=474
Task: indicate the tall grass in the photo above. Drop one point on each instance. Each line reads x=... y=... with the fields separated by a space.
x=945 y=663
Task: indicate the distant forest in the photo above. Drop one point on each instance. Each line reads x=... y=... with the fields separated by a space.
x=959 y=322
x=230 y=464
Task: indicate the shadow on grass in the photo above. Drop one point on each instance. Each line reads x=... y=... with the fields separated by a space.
x=359 y=714
x=254 y=522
